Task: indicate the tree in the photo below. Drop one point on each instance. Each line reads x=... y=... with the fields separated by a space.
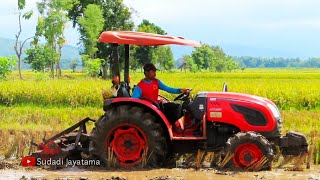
x=187 y=63
x=51 y=24
x=258 y=62
x=92 y=66
x=18 y=45
x=203 y=56
x=92 y=25
x=73 y=64
x=164 y=57
x=117 y=16
x=213 y=58
x=147 y=26
x=147 y=54
x=134 y=64
x=61 y=41
x=6 y=64
x=39 y=57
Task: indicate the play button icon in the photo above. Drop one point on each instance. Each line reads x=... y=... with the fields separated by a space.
x=28 y=161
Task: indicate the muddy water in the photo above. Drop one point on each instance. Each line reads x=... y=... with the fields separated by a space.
x=77 y=173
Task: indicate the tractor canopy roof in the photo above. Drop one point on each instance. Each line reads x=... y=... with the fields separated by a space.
x=144 y=39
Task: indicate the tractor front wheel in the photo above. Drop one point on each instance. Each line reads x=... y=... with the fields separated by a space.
x=249 y=151
x=131 y=135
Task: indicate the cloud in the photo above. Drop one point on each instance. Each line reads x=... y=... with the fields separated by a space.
x=9 y=19
x=9 y=22
x=225 y=12
x=289 y=24
x=267 y=23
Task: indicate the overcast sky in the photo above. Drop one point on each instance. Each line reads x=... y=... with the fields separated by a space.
x=283 y=25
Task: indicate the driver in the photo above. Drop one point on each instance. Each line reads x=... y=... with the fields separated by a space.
x=150 y=85
x=149 y=88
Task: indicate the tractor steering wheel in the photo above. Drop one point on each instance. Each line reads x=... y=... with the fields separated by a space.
x=164 y=98
x=182 y=96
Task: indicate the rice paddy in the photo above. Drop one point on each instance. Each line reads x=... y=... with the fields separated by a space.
x=39 y=104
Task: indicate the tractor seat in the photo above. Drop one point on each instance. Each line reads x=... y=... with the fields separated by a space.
x=123 y=90
x=173 y=111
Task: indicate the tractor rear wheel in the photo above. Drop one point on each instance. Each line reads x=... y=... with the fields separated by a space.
x=251 y=151
x=131 y=135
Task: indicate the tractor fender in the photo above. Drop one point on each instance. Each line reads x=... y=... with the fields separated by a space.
x=109 y=103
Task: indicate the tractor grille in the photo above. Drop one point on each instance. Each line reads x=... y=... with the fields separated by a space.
x=253 y=116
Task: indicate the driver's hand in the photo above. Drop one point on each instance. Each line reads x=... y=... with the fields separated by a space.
x=184 y=90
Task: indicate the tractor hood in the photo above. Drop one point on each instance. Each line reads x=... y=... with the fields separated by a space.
x=232 y=96
x=244 y=111
x=239 y=97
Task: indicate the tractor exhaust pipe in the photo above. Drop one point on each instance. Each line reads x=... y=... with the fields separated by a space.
x=225 y=87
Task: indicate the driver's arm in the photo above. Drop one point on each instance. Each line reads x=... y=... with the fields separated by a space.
x=137 y=93
x=164 y=87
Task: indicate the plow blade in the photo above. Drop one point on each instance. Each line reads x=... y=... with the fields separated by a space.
x=68 y=143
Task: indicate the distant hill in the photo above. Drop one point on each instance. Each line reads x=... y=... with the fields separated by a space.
x=256 y=51
x=68 y=52
x=240 y=50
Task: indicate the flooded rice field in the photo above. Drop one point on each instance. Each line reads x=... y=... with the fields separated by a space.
x=75 y=173
x=15 y=143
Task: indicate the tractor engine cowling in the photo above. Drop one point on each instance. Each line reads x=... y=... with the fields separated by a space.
x=244 y=112
x=293 y=144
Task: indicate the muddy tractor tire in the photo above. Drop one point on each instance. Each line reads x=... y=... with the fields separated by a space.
x=128 y=136
x=251 y=151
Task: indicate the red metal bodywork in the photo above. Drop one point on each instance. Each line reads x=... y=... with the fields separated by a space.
x=128 y=142
x=246 y=155
x=220 y=110
x=50 y=149
x=218 y=103
x=188 y=133
x=147 y=104
x=144 y=39
x=185 y=135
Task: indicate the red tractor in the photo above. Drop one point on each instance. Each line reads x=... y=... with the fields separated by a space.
x=135 y=132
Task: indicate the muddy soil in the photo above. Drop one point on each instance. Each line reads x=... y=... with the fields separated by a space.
x=75 y=173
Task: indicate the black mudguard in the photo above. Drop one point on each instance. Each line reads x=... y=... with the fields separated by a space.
x=293 y=144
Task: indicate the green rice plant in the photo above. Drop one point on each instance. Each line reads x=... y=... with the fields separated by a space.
x=289 y=90
x=44 y=118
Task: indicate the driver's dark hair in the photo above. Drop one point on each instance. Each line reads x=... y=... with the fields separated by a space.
x=148 y=67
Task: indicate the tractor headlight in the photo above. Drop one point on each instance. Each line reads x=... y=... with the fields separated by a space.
x=274 y=111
